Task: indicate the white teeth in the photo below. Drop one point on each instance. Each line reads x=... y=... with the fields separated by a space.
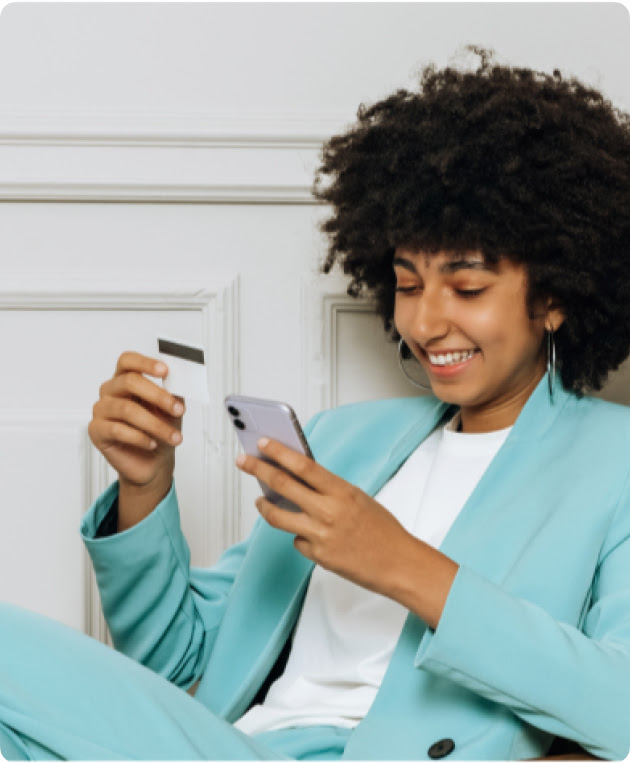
x=450 y=358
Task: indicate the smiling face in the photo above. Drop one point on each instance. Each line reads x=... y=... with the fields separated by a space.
x=448 y=304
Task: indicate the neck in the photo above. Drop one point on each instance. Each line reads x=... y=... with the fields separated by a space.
x=499 y=414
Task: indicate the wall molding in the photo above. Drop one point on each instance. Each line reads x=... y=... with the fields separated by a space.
x=217 y=302
x=180 y=192
x=99 y=476
x=323 y=300
x=125 y=291
x=168 y=129
x=161 y=157
x=53 y=422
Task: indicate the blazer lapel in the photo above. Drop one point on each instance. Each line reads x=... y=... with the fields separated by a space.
x=492 y=517
x=263 y=605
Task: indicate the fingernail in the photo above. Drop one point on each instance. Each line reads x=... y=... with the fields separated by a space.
x=263 y=442
x=178 y=408
x=240 y=460
x=160 y=368
x=176 y=437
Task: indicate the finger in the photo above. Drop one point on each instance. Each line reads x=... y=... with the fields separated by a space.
x=118 y=433
x=304 y=546
x=280 y=481
x=283 y=519
x=142 y=364
x=137 y=416
x=137 y=387
x=304 y=468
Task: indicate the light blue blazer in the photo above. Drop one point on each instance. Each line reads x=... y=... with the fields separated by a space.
x=534 y=640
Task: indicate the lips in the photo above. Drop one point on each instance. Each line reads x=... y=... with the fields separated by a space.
x=445 y=370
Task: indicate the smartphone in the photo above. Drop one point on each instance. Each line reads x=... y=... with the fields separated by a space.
x=253 y=418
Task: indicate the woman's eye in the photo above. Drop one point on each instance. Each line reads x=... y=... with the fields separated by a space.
x=469 y=293
x=465 y=293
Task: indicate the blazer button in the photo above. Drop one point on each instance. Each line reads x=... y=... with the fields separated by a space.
x=441 y=749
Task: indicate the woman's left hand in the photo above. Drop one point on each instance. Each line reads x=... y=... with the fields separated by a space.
x=340 y=527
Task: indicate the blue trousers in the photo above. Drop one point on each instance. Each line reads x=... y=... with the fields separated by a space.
x=65 y=696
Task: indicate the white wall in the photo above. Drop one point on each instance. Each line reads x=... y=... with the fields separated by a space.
x=302 y=58
x=155 y=166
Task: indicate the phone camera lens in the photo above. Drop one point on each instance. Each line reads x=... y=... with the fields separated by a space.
x=234 y=411
x=239 y=424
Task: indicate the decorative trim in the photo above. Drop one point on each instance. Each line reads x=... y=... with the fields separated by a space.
x=221 y=485
x=128 y=291
x=323 y=299
x=70 y=421
x=78 y=127
x=178 y=192
x=218 y=304
x=123 y=157
x=99 y=476
x=334 y=307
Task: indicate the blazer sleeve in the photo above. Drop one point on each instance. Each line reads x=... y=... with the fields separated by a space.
x=160 y=612
x=573 y=682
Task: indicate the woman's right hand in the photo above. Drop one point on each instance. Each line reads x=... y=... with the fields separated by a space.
x=137 y=425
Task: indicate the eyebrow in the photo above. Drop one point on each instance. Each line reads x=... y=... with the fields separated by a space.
x=449 y=267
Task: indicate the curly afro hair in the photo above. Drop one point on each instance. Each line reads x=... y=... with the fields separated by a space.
x=504 y=161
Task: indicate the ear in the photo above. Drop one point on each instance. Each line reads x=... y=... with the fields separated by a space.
x=554 y=316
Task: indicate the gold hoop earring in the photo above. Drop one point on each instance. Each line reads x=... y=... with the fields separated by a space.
x=404 y=370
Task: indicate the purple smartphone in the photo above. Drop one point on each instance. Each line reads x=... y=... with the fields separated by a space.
x=253 y=418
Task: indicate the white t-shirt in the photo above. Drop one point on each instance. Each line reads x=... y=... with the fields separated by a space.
x=345 y=635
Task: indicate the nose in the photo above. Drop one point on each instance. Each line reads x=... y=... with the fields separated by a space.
x=429 y=322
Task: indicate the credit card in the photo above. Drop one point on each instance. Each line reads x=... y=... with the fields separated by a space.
x=187 y=376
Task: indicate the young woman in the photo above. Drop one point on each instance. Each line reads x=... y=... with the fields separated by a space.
x=457 y=583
